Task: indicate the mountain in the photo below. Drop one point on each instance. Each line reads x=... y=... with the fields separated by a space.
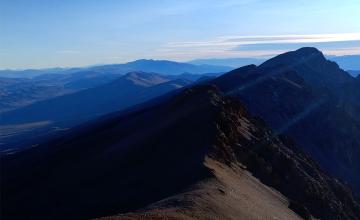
x=311 y=65
x=164 y=67
x=192 y=155
x=65 y=111
x=158 y=66
x=232 y=62
x=21 y=88
x=301 y=94
x=349 y=62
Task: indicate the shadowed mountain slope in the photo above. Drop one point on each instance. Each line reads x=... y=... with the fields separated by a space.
x=312 y=100
x=311 y=65
x=120 y=93
x=193 y=151
x=72 y=109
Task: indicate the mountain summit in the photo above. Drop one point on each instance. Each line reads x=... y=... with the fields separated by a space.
x=311 y=65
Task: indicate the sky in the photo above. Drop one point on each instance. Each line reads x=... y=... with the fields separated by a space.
x=65 y=33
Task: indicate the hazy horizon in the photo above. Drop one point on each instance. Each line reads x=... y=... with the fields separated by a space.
x=260 y=58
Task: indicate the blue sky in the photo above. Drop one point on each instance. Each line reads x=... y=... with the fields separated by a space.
x=49 y=33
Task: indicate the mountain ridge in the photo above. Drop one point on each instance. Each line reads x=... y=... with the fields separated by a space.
x=289 y=93
x=166 y=67
x=97 y=166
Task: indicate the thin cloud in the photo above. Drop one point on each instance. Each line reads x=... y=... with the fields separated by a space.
x=295 y=45
x=243 y=40
x=255 y=46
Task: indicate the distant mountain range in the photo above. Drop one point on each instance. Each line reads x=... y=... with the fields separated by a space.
x=157 y=66
x=166 y=67
x=20 y=88
x=66 y=111
x=199 y=66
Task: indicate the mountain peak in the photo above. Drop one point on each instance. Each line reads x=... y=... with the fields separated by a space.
x=308 y=53
x=311 y=64
x=294 y=58
x=308 y=50
x=150 y=61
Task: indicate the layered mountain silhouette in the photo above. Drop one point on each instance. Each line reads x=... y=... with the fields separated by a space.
x=165 y=67
x=309 y=98
x=69 y=110
x=19 y=88
x=276 y=141
x=192 y=155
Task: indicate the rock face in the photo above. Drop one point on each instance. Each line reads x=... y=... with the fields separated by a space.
x=195 y=155
x=312 y=100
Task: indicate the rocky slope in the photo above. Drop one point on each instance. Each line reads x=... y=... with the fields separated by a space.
x=303 y=95
x=197 y=155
